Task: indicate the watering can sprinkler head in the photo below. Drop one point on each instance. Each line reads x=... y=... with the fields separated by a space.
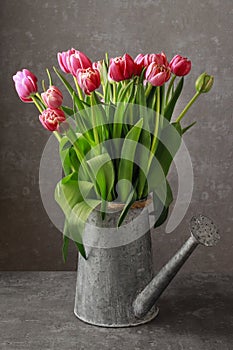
x=203 y=231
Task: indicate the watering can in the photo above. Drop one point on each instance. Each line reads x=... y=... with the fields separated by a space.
x=116 y=286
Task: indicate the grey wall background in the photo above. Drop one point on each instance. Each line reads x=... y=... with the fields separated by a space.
x=32 y=32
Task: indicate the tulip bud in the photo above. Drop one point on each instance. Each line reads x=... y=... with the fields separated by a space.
x=52 y=97
x=25 y=84
x=204 y=83
x=121 y=68
x=51 y=118
x=180 y=65
x=88 y=79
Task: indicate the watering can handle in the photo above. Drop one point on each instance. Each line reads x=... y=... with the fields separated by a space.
x=203 y=231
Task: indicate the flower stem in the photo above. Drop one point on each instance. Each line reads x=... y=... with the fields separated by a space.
x=155 y=137
x=148 y=90
x=193 y=99
x=96 y=136
x=79 y=90
x=40 y=98
x=57 y=136
x=37 y=103
x=170 y=87
x=49 y=77
x=114 y=93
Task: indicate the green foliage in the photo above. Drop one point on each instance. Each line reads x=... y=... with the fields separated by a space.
x=136 y=117
x=171 y=104
x=162 y=198
x=126 y=165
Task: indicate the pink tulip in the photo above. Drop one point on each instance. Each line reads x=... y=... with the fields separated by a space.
x=121 y=68
x=157 y=75
x=52 y=97
x=146 y=60
x=97 y=65
x=63 y=58
x=88 y=79
x=25 y=84
x=72 y=60
x=51 y=118
x=180 y=66
x=140 y=59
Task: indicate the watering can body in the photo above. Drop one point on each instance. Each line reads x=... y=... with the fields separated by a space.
x=116 y=286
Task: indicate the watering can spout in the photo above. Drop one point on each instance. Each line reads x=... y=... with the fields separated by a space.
x=203 y=231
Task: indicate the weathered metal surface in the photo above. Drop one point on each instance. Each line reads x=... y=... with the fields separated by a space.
x=203 y=231
x=110 y=279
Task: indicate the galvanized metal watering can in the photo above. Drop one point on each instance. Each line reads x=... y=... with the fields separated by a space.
x=115 y=285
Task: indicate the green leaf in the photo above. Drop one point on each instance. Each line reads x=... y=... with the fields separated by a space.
x=171 y=105
x=162 y=201
x=79 y=216
x=126 y=165
x=103 y=172
x=65 y=82
x=69 y=191
x=162 y=218
x=140 y=95
x=144 y=153
x=125 y=92
x=124 y=101
x=98 y=109
x=105 y=72
x=83 y=144
x=64 y=147
x=66 y=241
x=188 y=127
x=169 y=143
x=141 y=78
x=81 y=249
x=75 y=163
x=130 y=200
x=80 y=104
x=68 y=111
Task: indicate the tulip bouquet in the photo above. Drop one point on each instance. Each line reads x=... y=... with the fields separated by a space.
x=117 y=139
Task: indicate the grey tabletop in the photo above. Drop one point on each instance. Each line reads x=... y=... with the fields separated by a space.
x=36 y=313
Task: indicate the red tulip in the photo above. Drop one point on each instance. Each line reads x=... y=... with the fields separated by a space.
x=121 y=68
x=157 y=75
x=138 y=69
x=72 y=60
x=88 y=79
x=51 y=118
x=52 y=97
x=146 y=60
x=180 y=66
x=25 y=84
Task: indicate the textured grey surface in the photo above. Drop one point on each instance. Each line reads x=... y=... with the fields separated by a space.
x=36 y=312
x=32 y=32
